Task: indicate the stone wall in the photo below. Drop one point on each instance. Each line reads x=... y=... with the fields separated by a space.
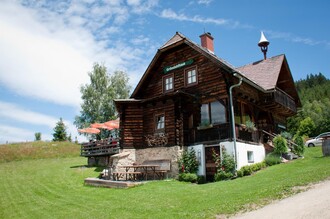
x=157 y=153
x=132 y=156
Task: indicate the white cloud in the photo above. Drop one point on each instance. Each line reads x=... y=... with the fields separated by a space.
x=35 y=120
x=204 y=2
x=14 y=112
x=47 y=48
x=296 y=39
x=170 y=14
x=9 y=134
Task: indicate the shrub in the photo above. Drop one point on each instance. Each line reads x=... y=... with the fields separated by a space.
x=225 y=165
x=188 y=162
x=272 y=159
x=299 y=148
x=188 y=177
x=222 y=175
x=249 y=169
x=240 y=173
x=201 y=180
x=280 y=145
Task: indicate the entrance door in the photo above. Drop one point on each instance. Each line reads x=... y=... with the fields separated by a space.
x=209 y=162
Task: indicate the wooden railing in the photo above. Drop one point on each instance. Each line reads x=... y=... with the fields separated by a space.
x=282 y=98
x=99 y=148
x=223 y=132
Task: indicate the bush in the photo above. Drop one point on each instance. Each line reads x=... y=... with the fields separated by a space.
x=225 y=165
x=222 y=175
x=240 y=173
x=188 y=162
x=249 y=169
x=280 y=145
x=201 y=180
x=273 y=159
x=188 y=177
x=299 y=148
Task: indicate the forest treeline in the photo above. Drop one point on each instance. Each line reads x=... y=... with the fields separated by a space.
x=313 y=117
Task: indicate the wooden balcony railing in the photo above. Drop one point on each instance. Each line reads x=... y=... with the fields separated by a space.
x=99 y=148
x=282 y=98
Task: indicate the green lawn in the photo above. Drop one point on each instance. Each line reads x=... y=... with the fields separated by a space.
x=53 y=188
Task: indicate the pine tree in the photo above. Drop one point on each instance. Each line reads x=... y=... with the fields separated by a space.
x=60 y=131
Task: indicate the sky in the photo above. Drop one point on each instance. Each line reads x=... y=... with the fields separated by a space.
x=48 y=47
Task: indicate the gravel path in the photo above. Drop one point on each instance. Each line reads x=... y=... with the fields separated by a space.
x=313 y=203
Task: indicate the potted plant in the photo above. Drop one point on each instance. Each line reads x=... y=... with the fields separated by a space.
x=250 y=126
x=205 y=124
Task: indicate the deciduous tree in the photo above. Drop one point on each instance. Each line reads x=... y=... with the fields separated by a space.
x=98 y=95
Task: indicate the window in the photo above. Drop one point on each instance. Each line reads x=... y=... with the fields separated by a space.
x=218 y=112
x=205 y=114
x=160 y=122
x=168 y=83
x=250 y=157
x=191 y=76
x=242 y=113
x=213 y=113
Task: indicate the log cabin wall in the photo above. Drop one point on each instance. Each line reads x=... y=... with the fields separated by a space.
x=150 y=113
x=181 y=114
x=131 y=133
x=210 y=79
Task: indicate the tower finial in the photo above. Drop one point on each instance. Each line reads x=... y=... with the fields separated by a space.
x=263 y=44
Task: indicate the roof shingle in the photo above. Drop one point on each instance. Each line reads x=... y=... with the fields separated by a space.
x=265 y=73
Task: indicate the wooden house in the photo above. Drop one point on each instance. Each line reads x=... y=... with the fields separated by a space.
x=183 y=100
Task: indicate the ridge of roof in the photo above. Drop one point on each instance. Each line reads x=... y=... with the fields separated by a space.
x=176 y=38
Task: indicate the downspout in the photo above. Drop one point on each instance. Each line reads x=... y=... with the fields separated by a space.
x=232 y=114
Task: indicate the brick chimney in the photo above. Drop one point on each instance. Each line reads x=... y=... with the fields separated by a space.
x=207 y=42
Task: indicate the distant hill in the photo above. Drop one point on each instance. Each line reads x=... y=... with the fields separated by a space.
x=37 y=150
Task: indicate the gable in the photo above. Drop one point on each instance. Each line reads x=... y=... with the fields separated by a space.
x=270 y=74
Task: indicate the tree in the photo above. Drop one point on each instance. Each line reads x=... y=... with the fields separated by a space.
x=98 y=96
x=37 y=136
x=60 y=131
x=306 y=127
x=314 y=92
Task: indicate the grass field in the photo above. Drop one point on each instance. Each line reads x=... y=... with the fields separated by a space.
x=53 y=188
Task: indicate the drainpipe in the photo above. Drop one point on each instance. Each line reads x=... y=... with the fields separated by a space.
x=232 y=114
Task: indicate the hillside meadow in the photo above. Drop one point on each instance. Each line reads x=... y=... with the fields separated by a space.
x=47 y=182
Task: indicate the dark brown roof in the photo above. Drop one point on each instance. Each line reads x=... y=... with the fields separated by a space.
x=265 y=73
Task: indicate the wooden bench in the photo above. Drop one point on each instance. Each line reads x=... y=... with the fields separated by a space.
x=163 y=169
x=133 y=176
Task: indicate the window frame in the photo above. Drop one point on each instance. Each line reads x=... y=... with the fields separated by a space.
x=157 y=116
x=164 y=83
x=186 y=72
x=250 y=154
x=210 y=119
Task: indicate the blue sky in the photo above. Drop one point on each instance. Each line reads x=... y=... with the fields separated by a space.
x=47 y=48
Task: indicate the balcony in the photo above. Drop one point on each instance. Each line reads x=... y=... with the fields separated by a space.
x=221 y=132
x=280 y=101
x=99 y=148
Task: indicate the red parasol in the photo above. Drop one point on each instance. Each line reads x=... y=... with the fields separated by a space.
x=89 y=130
x=99 y=126
x=113 y=124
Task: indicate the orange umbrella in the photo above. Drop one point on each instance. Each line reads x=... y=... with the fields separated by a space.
x=99 y=126
x=89 y=130
x=113 y=124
